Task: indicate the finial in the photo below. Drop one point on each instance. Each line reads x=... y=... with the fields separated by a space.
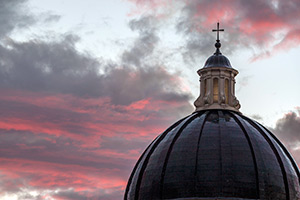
x=218 y=44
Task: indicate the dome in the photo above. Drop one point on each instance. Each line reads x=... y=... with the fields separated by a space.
x=215 y=154
x=217 y=60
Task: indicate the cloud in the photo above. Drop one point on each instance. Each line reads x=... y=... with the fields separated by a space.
x=58 y=67
x=261 y=26
x=13 y=15
x=16 y=16
x=255 y=24
x=291 y=39
x=72 y=125
x=44 y=135
x=52 y=66
x=101 y=194
x=256 y=117
x=243 y=82
x=287 y=129
x=145 y=43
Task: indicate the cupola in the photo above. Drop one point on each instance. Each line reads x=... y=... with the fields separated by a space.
x=217 y=82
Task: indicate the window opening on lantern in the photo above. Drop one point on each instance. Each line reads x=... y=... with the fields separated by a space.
x=216 y=90
x=226 y=90
x=205 y=86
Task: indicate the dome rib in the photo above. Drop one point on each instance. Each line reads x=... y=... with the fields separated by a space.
x=251 y=148
x=135 y=167
x=198 y=143
x=171 y=147
x=151 y=147
x=279 y=160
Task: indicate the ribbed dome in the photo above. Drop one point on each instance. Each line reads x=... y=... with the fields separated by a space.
x=215 y=154
x=217 y=60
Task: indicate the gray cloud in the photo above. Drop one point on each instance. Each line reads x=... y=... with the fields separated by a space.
x=50 y=17
x=114 y=194
x=198 y=46
x=243 y=81
x=143 y=45
x=13 y=14
x=46 y=66
x=251 y=25
x=200 y=40
x=287 y=129
x=37 y=151
x=256 y=117
x=57 y=66
x=126 y=87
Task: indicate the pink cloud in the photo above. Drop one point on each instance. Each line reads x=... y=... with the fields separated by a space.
x=292 y=39
x=52 y=175
x=52 y=141
x=258 y=24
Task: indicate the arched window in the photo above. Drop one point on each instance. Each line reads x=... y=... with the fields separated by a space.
x=216 y=90
x=226 y=91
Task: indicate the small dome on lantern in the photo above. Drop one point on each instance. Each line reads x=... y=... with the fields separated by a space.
x=217 y=60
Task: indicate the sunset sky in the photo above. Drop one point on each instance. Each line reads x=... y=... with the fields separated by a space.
x=87 y=85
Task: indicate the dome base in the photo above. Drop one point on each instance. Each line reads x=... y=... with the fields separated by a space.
x=217 y=107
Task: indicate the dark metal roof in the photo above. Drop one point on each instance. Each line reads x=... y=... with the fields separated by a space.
x=217 y=60
x=215 y=154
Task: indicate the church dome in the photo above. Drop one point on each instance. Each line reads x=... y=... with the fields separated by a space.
x=215 y=154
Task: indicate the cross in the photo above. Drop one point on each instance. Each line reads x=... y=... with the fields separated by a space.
x=218 y=30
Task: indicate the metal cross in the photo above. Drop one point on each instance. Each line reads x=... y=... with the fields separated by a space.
x=218 y=30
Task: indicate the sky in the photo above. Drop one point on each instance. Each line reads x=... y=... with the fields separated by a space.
x=87 y=85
